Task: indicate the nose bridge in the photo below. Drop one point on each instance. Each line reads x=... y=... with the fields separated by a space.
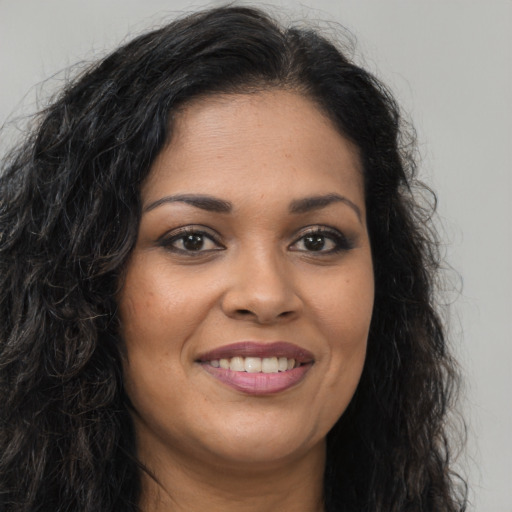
x=261 y=286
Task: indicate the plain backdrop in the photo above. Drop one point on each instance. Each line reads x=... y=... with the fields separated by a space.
x=449 y=64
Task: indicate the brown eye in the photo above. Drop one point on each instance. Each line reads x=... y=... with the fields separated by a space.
x=314 y=242
x=322 y=241
x=193 y=242
x=190 y=241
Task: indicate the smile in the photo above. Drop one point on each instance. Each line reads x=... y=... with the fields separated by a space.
x=255 y=364
x=258 y=369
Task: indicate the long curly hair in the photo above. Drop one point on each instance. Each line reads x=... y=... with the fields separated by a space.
x=69 y=215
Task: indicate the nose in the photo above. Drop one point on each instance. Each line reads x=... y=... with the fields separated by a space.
x=262 y=289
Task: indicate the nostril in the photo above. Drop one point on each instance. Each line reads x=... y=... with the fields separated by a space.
x=244 y=312
x=249 y=313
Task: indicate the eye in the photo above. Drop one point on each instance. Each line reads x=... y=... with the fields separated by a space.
x=322 y=241
x=190 y=240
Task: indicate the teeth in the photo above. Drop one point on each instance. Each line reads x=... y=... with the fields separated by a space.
x=269 y=365
x=255 y=364
x=252 y=364
x=237 y=364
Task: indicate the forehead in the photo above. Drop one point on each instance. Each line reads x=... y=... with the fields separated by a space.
x=243 y=145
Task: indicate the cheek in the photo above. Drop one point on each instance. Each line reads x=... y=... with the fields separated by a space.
x=155 y=321
x=348 y=319
x=154 y=308
x=344 y=305
x=346 y=324
x=343 y=314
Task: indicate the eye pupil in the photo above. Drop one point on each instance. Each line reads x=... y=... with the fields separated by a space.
x=193 y=242
x=314 y=242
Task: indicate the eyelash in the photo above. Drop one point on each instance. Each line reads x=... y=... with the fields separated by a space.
x=169 y=239
x=339 y=240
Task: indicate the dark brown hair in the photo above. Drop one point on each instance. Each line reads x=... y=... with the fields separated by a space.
x=69 y=214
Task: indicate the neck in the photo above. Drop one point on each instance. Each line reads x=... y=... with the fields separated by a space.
x=182 y=484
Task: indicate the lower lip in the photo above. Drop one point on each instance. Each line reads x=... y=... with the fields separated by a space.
x=259 y=383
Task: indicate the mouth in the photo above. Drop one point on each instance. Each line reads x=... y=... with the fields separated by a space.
x=258 y=368
x=255 y=364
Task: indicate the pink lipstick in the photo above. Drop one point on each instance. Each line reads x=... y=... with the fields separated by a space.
x=258 y=368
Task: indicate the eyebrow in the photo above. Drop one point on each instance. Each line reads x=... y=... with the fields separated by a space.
x=208 y=203
x=214 y=204
x=308 y=204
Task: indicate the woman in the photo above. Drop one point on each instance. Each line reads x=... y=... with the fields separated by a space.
x=217 y=287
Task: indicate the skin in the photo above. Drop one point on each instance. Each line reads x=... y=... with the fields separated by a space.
x=255 y=278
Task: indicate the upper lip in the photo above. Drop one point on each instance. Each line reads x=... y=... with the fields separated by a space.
x=258 y=349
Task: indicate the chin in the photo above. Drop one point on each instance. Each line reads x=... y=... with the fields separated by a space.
x=264 y=441
x=259 y=454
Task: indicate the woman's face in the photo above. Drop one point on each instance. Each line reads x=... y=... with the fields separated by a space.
x=247 y=300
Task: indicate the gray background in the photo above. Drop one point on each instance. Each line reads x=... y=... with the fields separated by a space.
x=449 y=63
